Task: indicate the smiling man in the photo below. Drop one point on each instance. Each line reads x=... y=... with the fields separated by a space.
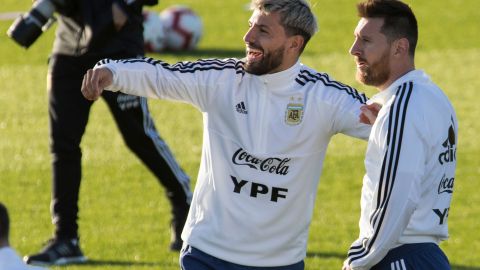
x=268 y=120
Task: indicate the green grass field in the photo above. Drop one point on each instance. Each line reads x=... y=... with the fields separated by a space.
x=124 y=215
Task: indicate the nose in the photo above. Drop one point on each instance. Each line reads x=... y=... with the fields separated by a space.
x=355 y=49
x=249 y=36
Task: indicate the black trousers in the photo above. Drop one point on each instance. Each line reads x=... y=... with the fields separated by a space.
x=69 y=111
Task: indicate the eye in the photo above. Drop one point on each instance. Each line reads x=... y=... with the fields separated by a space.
x=263 y=30
x=365 y=39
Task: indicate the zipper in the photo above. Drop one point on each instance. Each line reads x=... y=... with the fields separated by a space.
x=262 y=145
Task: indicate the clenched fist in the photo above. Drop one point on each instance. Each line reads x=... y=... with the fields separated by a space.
x=94 y=81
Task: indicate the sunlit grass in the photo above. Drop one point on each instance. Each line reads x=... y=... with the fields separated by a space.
x=124 y=214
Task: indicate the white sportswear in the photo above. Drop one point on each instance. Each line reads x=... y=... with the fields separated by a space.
x=264 y=143
x=9 y=260
x=410 y=170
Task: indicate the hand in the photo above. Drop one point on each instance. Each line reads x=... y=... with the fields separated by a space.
x=369 y=113
x=94 y=81
x=346 y=266
x=119 y=16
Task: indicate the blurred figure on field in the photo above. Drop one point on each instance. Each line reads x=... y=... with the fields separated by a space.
x=9 y=259
x=411 y=155
x=88 y=31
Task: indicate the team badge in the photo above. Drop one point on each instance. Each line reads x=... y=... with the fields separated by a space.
x=294 y=114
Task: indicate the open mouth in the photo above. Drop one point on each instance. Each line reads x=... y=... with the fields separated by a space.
x=254 y=55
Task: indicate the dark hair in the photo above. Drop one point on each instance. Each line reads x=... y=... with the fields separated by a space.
x=4 y=222
x=399 y=20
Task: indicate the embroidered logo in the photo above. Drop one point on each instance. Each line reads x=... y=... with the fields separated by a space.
x=240 y=107
x=294 y=114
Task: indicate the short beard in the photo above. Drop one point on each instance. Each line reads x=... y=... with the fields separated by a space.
x=269 y=62
x=377 y=74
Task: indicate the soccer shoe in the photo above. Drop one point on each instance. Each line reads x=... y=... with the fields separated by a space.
x=176 y=227
x=57 y=252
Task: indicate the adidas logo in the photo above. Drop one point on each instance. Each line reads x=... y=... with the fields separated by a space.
x=240 y=107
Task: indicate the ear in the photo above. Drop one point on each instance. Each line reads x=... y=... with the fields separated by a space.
x=296 y=43
x=401 y=47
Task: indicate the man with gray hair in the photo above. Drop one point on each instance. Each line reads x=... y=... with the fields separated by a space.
x=268 y=120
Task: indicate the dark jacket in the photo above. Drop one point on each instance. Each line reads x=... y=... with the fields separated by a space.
x=85 y=27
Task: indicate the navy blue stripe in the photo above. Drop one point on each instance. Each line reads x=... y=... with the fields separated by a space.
x=337 y=84
x=364 y=250
x=188 y=65
x=299 y=82
x=394 y=159
x=103 y=62
x=384 y=193
x=372 y=240
x=381 y=194
x=383 y=179
x=191 y=67
x=313 y=77
x=397 y=152
x=306 y=76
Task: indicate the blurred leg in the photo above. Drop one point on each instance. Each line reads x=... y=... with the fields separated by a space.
x=68 y=112
x=138 y=130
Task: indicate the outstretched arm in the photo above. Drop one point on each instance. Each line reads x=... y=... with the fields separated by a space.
x=94 y=81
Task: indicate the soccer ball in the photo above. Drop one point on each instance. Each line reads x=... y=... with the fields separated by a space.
x=183 y=28
x=153 y=32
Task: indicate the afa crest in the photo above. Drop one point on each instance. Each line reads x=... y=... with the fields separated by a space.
x=294 y=114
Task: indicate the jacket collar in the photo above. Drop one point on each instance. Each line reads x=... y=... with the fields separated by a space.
x=383 y=96
x=279 y=80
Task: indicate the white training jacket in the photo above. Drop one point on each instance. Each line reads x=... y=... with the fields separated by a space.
x=264 y=142
x=410 y=170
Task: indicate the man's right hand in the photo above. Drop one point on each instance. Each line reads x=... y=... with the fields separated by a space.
x=94 y=81
x=119 y=16
x=346 y=265
x=369 y=113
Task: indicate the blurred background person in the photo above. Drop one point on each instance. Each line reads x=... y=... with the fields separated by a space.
x=88 y=31
x=9 y=259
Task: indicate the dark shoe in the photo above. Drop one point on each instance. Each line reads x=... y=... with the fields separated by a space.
x=180 y=214
x=57 y=252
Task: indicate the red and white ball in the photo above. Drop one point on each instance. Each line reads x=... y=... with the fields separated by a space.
x=183 y=28
x=153 y=32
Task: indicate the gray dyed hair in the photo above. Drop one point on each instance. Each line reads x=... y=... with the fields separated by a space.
x=295 y=16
